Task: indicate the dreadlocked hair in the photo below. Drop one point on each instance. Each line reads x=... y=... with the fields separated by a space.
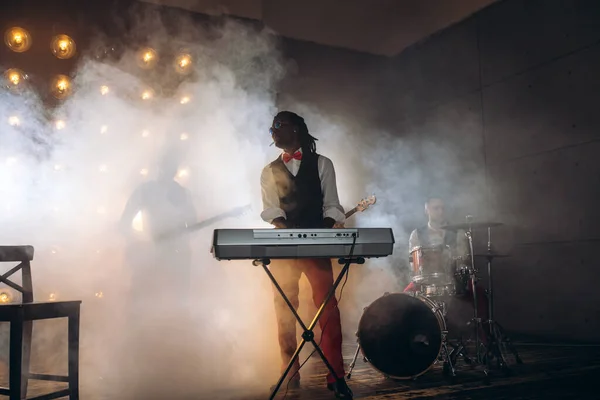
x=307 y=142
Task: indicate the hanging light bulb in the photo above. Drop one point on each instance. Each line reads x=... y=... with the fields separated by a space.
x=60 y=124
x=147 y=58
x=148 y=94
x=5 y=297
x=185 y=100
x=183 y=63
x=63 y=47
x=14 y=77
x=17 y=39
x=104 y=90
x=13 y=120
x=61 y=86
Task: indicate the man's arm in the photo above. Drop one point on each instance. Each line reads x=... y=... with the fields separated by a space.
x=333 y=212
x=272 y=213
x=413 y=240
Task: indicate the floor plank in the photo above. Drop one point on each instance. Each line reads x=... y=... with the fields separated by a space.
x=548 y=372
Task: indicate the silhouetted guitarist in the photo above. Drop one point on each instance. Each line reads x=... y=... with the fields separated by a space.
x=160 y=268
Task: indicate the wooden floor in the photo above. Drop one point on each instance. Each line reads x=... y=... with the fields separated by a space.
x=548 y=372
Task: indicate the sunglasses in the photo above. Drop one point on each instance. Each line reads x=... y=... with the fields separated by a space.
x=277 y=125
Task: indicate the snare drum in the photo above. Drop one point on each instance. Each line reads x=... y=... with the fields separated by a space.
x=432 y=265
x=435 y=290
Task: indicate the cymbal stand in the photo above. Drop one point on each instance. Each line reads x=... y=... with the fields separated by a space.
x=476 y=318
x=473 y=281
x=498 y=341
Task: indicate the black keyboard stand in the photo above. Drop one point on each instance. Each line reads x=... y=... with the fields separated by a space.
x=308 y=335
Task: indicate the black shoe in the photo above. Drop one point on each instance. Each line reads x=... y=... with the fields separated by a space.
x=340 y=389
x=293 y=385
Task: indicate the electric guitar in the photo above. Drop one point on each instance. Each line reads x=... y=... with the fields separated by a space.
x=235 y=212
x=141 y=245
x=362 y=205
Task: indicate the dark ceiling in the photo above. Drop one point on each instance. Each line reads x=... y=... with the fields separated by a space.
x=383 y=27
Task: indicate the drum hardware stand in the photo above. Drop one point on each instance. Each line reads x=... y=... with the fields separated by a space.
x=476 y=319
x=448 y=366
x=353 y=363
x=459 y=350
x=473 y=280
x=308 y=334
x=497 y=338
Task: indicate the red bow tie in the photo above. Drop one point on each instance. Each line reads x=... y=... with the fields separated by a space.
x=286 y=157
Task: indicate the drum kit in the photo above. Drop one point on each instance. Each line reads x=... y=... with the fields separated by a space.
x=403 y=335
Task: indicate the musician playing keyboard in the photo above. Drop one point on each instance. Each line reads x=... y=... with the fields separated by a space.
x=299 y=190
x=434 y=235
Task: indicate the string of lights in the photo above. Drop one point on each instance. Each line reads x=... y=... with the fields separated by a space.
x=61 y=87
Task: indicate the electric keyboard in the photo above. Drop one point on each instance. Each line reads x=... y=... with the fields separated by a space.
x=254 y=244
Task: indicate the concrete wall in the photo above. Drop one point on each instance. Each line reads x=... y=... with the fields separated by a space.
x=525 y=74
x=540 y=88
x=510 y=96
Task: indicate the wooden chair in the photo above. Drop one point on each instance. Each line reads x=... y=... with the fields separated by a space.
x=21 y=317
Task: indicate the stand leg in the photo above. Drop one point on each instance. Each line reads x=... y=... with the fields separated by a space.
x=448 y=369
x=499 y=345
x=459 y=351
x=353 y=363
x=307 y=335
x=476 y=318
x=498 y=339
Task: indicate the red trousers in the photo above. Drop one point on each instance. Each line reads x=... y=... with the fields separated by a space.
x=320 y=276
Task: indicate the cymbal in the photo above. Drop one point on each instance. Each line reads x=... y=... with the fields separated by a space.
x=492 y=255
x=472 y=225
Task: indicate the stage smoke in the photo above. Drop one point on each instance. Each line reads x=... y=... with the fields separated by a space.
x=66 y=182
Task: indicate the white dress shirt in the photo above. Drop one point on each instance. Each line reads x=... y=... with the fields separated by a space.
x=331 y=202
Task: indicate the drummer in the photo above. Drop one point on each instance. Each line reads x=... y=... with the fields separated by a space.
x=434 y=235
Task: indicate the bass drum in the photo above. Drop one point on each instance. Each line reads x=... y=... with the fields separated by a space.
x=400 y=334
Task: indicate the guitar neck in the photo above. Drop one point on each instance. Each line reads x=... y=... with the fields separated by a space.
x=351 y=212
x=203 y=224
